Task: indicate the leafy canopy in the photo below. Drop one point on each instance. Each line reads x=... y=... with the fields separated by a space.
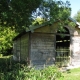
x=77 y=16
x=17 y=13
x=6 y=36
x=20 y=13
x=50 y=10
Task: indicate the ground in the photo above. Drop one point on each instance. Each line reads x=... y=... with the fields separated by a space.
x=73 y=74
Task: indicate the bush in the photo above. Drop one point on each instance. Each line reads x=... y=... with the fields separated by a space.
x=49 y=73
x=15 y=71
x=25 y=73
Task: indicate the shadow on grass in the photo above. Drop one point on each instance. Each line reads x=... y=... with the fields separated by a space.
x=10 y=70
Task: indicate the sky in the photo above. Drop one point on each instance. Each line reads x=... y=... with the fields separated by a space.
x=75 y=6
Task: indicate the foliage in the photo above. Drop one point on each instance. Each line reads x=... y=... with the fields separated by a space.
x=49 y=73
x=17 y=71
x=72 y=24
x=18 y=13
x=9 y=70
x=38 y=21
x=77 y=16
x=52 y=11
x=6 y=36
x=25 y=73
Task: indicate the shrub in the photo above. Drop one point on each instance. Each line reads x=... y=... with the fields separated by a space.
x=17 y=71
x=48 y=73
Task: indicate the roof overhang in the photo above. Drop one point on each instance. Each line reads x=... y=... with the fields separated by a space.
x=73 y=20
x=31 y=28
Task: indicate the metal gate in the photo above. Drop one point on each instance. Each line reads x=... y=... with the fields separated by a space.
x=62 y=56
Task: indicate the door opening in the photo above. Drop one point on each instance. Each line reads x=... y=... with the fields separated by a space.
x=63 y=47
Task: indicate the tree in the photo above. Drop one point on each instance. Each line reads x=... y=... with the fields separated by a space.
x=6 y=36
x=17 y=13
x=77 y=16
x=52 y=11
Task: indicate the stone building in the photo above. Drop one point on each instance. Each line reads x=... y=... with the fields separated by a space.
x=45 y=45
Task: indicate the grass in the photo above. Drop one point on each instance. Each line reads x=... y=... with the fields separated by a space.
x=73 y=74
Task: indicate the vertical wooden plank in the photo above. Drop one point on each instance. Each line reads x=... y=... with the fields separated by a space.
x=16 y=55
x=29 y=48
x=24 y=47
x=14 y=50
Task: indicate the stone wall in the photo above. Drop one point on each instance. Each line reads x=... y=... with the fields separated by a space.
x=75 y=50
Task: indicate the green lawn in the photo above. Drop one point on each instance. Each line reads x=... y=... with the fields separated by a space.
x=73 y=74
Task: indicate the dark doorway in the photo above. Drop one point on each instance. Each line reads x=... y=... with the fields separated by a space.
x=62 y=47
